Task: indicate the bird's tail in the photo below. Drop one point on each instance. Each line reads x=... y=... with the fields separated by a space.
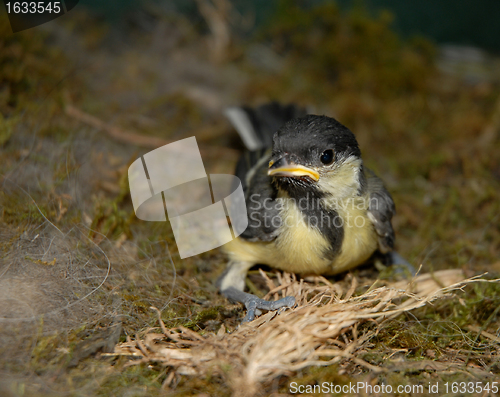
x=257 y=126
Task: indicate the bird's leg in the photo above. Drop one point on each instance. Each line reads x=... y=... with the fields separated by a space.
x=401 y=264
x=252 y=302
x=231 y=285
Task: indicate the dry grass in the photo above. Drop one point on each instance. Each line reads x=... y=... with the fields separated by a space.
x=323 y=329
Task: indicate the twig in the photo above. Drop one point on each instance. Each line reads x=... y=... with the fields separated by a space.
x=141 y=346
x=162 y=324
x=487 y=335
x=491 y=129
x=216 y=15
x=133 y=138
x=115 y=132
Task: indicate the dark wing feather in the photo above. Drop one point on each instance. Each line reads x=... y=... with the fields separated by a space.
x=256 y=127
x=268 y=118
x=260 y=196
x=381 y=210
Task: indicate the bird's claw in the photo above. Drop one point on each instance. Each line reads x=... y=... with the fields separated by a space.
x=254 y=303
x=401 y=265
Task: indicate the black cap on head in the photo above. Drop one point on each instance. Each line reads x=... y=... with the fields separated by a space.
x=305 y=139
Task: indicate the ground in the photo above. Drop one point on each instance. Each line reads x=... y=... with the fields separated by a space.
x=80 y=100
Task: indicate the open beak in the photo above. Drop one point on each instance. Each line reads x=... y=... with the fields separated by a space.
x=285 y=167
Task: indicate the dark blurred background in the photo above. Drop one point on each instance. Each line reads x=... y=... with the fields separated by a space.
x=445 y=21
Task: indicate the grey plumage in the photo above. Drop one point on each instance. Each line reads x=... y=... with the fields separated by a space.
x=381 y=210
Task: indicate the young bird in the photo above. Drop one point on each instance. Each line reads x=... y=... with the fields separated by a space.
x=313 y=208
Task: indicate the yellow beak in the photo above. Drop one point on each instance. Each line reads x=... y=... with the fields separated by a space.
x=292 y=170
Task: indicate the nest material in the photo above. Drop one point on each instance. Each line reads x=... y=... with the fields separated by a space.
x=321 y=330
x=48 y=283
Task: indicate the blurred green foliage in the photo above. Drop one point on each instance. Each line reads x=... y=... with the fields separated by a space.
x=352 y=50
x=29 y=68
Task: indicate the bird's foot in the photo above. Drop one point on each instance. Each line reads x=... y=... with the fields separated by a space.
x=401 y=265
x=254 y=303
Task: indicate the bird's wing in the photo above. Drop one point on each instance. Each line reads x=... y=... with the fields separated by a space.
x=256 y=126
x=260 y=196
x=380 y=211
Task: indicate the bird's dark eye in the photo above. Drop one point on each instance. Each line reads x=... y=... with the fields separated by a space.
x=327 y=157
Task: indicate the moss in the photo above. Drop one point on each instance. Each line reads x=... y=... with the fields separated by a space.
x=201 y=317
x=110 y=220
x=27 y=66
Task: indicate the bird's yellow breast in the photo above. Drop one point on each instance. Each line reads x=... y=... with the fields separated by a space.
x=301 y=248
x=360 y=238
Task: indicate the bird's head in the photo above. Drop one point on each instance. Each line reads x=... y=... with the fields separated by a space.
x=316 y=154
